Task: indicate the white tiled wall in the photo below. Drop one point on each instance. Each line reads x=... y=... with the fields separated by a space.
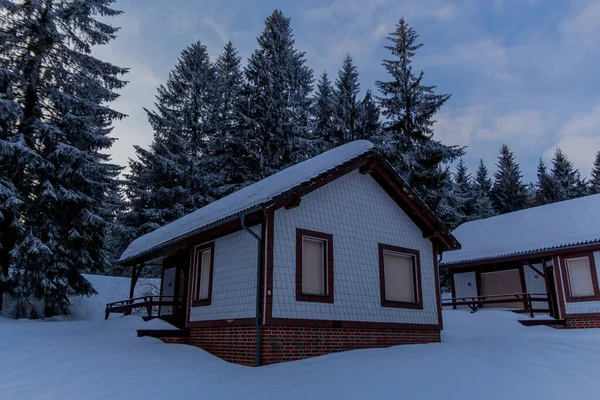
x=465 y=285
x=234 y=279
x=359 y=214
x=535 y=284
x=584 y=307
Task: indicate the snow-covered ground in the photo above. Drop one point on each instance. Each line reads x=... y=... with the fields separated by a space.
x=486 y=355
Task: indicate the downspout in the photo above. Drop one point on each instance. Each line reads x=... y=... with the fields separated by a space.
x=258 y=269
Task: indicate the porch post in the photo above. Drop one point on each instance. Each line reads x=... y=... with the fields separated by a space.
x=134 y=278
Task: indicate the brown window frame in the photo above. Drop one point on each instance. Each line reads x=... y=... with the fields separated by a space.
x=328 y=275
x=567 y=280
x=415 y=254
x=198 y=250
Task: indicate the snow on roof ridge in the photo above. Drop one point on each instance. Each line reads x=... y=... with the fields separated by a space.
x=568 y=223
x=247 y=198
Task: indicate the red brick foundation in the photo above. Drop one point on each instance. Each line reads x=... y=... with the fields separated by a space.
x=278 y=344
x=581 y=322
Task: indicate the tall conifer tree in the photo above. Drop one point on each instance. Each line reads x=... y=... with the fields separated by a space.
x=565 y=178
x=324 y=113
x=347 y=87
x=509 y=193
x=166 y=181
x=544 y=188
x=595 y=175
x=276 y=109
x=62 y=175
x=408 y=107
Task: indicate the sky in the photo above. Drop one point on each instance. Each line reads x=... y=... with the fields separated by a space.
x=520 y=72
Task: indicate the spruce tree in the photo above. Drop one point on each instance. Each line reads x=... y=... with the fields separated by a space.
x=464 y=193
x=166 y=181
x=408 y=107
x=276 y=108
x=595 y=175
x=565 y=178
x=225 y=160
x=324 y=113
x=367 y=124
x=63 y=176
x=11 y=226
x=482 y=186
x=347 y=88
x=544 y=188
x=508 y=193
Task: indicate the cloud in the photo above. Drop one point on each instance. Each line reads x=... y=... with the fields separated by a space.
x=583 y=26
x=520 y=127
x=579 y=138
x=483 y=56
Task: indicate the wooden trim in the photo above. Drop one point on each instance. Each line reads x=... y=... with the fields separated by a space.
x=453 y=289
x=438 y=288
x=417 y=287
x=322 y=323
x=329 y=284
x=567 y=282
x=522 y=278
x=269 y=265
x=537 y=271
x=294 y=203
x=582 y=315
x=196 y=285
x=558 y=281
x=521 y=257
x=222 y=323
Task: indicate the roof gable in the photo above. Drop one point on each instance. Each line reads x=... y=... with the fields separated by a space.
x=292 y=182
x=568 y=223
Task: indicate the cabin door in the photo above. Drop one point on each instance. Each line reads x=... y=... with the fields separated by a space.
x=181 y=290
x=168 y=289
x=499 y=283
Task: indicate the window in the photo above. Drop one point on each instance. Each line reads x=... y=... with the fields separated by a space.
x=203 y=270
x=581 y=277
x=400 y=277
x=314 y=266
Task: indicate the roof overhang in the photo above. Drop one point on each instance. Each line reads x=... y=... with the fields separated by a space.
x=521 y=256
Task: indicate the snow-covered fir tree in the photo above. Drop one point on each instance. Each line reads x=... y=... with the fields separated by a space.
x=166 y=181
x=324 y=113
x=408 y=107
x=464 y=192
x=482 y=186
x=347 y=87
x=276 y=109
x=367 y=122
x=62 y=175
x=595 y=175
x=565 y=178
x=544 y=188
x=225 y=164
x=11 y=226
x=508 y=193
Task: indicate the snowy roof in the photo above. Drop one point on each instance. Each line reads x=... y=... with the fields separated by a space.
x=564 y=224
x=245 y=200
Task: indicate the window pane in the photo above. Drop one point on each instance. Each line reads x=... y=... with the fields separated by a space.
x=399 y=279
x=313 y=257
x=580 y=277
x=204 y=274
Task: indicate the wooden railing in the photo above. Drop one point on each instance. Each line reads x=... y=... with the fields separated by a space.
x=147 y=302
x=477 y=302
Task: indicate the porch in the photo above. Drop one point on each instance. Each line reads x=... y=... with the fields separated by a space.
x=170 y=304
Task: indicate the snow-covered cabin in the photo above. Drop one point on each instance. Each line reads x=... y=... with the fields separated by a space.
x=331 y=254
x=550 y=251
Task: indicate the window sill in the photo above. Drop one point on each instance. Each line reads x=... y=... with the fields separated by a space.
x=595 y=297
x=314 y=298
x=402 y=304
x=200 y=303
